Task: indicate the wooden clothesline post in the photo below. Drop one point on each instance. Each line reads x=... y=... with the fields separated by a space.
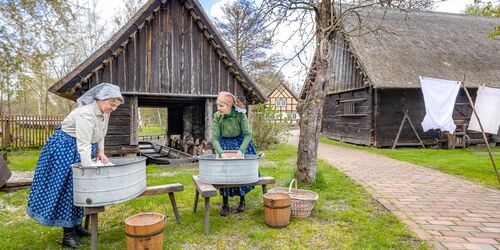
x=482 y=129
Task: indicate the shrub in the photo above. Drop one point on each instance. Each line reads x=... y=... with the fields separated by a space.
x=265 y=130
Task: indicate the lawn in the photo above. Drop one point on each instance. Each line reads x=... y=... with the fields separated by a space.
x=345 y=216
x=152 y=131
x=23 y=160
x=471 y=163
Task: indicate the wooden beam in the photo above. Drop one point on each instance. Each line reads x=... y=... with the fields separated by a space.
x=163 y=189
x=209 y=111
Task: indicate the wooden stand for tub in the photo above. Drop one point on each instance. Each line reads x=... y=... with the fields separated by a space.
x=92 y=212
x=210 y=190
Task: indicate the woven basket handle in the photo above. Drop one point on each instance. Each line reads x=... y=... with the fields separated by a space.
x=290 y=187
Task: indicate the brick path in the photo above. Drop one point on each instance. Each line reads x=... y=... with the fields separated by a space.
x=446 y=211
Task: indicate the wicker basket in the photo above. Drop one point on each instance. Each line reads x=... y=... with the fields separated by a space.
x=302 y=200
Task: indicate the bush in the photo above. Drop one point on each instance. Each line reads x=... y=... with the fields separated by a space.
x=265 y=130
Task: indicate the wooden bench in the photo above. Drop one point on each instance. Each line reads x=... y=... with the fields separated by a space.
x=92 y=212
x=210 y=190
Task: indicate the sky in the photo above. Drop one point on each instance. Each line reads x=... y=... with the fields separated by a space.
x=291 y=70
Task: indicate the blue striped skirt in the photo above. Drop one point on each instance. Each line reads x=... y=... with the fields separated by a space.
x=51 y=195
x=234 y=143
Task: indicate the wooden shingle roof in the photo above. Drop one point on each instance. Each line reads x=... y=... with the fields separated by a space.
x=70 y=84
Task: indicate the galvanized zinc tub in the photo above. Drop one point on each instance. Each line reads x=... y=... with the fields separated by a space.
x=228 y=171
x=104 y=185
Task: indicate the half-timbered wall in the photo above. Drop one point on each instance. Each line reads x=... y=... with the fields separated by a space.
x=285 y=104
x=169 y=54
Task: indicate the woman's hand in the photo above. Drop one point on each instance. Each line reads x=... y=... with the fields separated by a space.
x=224 y=156
x=239 y=155
x=102 y=157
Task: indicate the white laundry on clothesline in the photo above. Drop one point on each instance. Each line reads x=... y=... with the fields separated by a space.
x=488 y=109
x=439 y=98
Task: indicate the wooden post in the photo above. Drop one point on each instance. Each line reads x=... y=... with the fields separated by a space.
x=482 y=130
x=407 y=117
x=134 y=119
x=209 y=111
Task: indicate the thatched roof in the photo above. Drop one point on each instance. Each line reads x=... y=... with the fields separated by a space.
x=69 y=85
x=433 y=44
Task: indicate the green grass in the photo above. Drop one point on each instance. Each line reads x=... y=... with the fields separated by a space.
x=470 y=163
x=23 y=160
x=345 y=216
x=152 y=131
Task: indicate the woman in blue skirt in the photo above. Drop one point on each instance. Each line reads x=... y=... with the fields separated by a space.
x=81 y=134
x=231 y=131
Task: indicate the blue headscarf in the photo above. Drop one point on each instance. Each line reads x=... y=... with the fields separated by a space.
x=102 y=91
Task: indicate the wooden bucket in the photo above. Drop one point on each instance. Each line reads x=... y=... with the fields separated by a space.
x=145 y=231
x=277 y=209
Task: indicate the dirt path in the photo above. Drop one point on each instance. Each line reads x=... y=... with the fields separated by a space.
x=446 y=211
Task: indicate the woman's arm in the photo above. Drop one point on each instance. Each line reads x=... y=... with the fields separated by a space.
x=216 y=134
x=83 y=129
x=100 y=144
x=246 y=132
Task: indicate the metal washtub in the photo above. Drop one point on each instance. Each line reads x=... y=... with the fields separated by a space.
x=228 y=171
x=96 y=186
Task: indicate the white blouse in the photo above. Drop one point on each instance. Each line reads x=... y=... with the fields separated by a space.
x=88 y=124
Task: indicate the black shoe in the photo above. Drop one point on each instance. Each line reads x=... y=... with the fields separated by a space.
x=69 y=238
x=241 y=207
x=81 y=232
x=225 y=211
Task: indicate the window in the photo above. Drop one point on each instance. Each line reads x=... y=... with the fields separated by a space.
x=350 y=107
x=280 y=102
x=295 y=116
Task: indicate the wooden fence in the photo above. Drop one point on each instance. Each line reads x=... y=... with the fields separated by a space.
x=26 y=131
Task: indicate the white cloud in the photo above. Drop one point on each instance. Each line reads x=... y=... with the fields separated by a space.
x=452 y=6
x=216 y=9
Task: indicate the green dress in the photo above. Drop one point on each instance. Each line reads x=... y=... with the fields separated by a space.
x=232 y=132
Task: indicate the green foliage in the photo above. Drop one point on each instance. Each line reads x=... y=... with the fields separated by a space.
x=31 y=32
x=485 y=9
x=496 y=32
x=470 y=163
x=344 y=217
x=265 y=131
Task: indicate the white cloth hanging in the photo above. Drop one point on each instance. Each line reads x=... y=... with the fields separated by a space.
x=439 y=98
x=488 y=109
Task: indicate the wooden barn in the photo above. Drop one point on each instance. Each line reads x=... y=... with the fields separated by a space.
x=285 y=102
x=168 y=55
x=376 y=75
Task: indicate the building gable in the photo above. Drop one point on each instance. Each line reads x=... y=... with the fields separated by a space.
x=167 y=48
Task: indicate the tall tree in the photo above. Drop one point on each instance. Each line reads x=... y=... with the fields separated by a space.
x=125 y=11
x=245 y=30
x=480 y=8
x=87 y=32
x=329 y=17
x=27 y=27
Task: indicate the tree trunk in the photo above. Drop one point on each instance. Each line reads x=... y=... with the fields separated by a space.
x=159 y=117
x=313 y=96
x=311 y=114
